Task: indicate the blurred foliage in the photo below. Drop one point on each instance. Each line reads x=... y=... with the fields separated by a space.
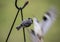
x=35 y=8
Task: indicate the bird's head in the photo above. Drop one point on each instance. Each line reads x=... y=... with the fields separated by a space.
x=30 y=19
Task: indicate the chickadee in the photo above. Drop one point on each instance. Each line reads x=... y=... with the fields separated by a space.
x=41 y=28
x=25 y=23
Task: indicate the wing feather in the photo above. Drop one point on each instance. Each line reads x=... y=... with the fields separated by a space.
x=48 y=19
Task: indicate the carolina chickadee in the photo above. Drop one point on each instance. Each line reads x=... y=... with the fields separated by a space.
x=25 y=23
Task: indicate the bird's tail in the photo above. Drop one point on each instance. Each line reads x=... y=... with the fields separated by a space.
x=33 y=36
x=18 y=27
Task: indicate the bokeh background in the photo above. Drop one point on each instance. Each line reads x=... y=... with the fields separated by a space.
x=35 y=8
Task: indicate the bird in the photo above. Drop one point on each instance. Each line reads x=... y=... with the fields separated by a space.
x=41 y=28
x=25 y=23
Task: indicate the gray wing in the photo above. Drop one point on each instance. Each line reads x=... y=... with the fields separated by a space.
x=48 y=19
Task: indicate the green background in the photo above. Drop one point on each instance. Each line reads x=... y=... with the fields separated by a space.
x=35 y=8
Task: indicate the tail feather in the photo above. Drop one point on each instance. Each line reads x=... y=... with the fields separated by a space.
x=33 y=36
x=18 y=27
